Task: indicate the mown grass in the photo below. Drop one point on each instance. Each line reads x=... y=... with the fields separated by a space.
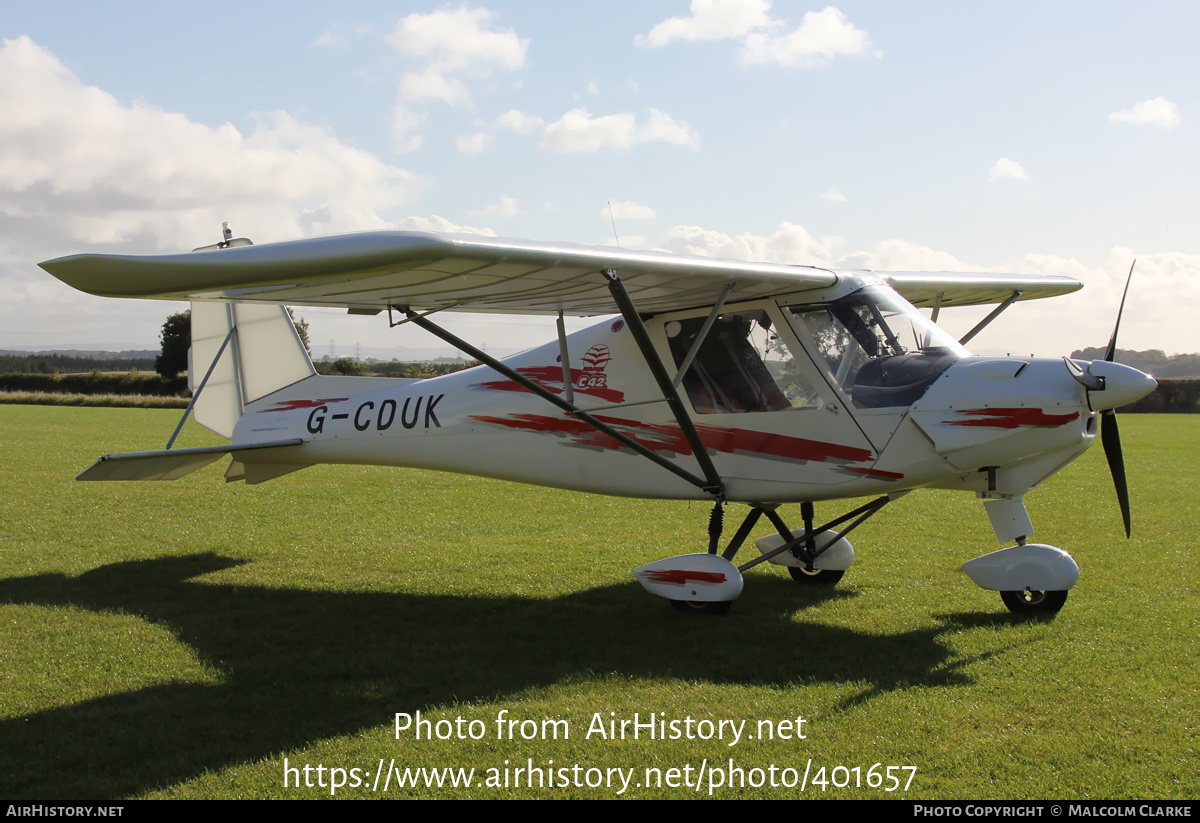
x=120 y=401
x=183 y=639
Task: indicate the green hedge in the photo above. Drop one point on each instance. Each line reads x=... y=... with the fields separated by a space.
x=125 y=383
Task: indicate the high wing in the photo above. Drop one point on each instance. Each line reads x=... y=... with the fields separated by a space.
x=369 y=272
x=952 y=288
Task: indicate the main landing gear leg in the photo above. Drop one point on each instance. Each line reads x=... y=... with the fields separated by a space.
x=816 y=555
x=708 y=583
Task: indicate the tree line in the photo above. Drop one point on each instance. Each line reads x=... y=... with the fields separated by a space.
x=58 y=363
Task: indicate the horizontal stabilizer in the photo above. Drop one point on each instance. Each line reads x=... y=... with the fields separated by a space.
x=170 y=464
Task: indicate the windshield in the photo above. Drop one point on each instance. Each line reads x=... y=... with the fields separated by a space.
x=879 y=348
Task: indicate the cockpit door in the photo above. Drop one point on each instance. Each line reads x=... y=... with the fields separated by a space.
x=760 y=403
x=877 y=352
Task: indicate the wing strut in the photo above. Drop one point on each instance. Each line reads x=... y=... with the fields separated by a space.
x=982 y=324
x=642 y=338
x=569 y=408
x=704 y=330
x=568 y=386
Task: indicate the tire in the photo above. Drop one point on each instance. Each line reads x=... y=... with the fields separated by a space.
x=817 y=577
x=702 y=607
x=1031 y=602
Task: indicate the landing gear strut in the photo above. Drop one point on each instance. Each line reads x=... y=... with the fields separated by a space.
x=708 y=583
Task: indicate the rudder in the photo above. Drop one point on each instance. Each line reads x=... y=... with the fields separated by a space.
x=263 y=354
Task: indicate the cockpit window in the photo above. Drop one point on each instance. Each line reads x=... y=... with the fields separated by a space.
x=741 y=366
x=880 y=350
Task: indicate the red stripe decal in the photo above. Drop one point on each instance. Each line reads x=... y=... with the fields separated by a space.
x=592 y=383
x=668 y=438
x=1011 y=418
x=682 y=576
x=882 y=474
x=292 y=405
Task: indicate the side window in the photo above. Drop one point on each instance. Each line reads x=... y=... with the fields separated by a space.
x=742 y=366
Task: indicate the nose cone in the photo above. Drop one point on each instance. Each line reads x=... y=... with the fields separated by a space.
x=1122 y=385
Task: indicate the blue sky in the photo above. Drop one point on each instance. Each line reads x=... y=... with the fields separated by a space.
x=1054 y=138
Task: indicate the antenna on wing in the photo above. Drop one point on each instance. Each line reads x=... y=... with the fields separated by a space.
x=614 y=224
x=227 y=240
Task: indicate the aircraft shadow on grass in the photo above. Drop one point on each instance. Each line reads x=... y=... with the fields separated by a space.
x=300 y=666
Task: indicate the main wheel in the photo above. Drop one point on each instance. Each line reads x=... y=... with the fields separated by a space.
x=1031 y=602
x=702 y=607
x=816 y=577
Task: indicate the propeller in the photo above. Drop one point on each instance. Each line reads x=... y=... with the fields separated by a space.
x=1120 y=385
x=1110 y=435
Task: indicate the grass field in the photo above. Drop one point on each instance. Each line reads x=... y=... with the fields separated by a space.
x=182 y=639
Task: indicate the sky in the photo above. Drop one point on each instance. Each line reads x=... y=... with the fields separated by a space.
x=1030 y=137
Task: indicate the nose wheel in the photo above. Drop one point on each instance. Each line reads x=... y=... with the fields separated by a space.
x=1034 y=602
x=694 y=607
x=816 y=577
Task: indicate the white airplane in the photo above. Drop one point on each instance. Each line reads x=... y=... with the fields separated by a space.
x=723 y=381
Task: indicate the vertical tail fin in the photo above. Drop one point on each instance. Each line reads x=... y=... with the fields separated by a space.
x=262 y=353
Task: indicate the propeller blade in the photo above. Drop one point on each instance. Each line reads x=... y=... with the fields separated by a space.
x=1111 y=438
x=1112 y=342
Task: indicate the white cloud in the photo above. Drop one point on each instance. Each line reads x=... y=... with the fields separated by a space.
x=790 y=244
x=405 y=120
x=1007 y=168
x=821 y=36
x=661 y=126
x=506 y=207
x=77 y=167
x=447 y=43
x=834 y=194
x=519 y=121
x=439 y=224
x=625 y=210
x=433 y=86
x=459 y=40
x=592 y=89
x=473 y=143
x=579 y=131
x=1157 y=112
x=710 y=20
x=904 y=255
